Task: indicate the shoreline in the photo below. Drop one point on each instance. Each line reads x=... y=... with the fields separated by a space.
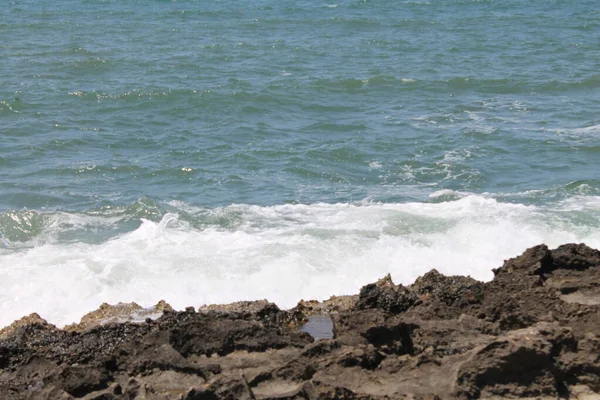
x=533 y=331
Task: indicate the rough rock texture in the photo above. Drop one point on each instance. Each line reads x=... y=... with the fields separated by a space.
x=121 y=312
x=532 y=332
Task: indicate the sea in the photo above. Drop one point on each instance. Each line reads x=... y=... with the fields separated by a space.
x=215 y=151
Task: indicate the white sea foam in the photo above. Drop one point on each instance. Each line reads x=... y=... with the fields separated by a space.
x=458 y=155
x=581 y=203
x=448 y=194
x=284 y=253
x=587 y=130
x=583 y=133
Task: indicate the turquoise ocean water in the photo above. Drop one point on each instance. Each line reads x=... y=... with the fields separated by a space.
x=208 y=152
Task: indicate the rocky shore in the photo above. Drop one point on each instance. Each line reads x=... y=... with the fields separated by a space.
x=531 y=332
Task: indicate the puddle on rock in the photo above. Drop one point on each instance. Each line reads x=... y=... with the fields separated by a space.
x=319 y=327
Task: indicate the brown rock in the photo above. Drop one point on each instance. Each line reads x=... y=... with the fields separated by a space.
x=521 y=363
x=530 y=332
x=385 y=296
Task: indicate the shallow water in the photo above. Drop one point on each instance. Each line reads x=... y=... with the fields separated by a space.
x=319 y=327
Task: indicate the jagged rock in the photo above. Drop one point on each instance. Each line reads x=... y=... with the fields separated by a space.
x=446 y=297
x=385 y=296
x=539 y=260
x=30 y=324
x=251 y=307
x=162 y=306
x=333 y=305
x=531 y=331
x=263 y=310
x=121 y=312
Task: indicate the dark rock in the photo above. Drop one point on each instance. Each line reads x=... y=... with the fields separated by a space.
x=367 y=358
x=521 y=363
x=386 y=296
x=133 y=388
x=320 y=348
x=296 y=370
x=167 y=358
x=395 y=337
x=583 y=366
x=540 y=260
x=200 y=394
x=104 y=396
x=80 y=380
x=350 y=326
x=222 y=334
x=530 y=332
x=446 y=297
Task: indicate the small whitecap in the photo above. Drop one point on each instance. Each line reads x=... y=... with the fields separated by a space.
x=443 y=193
x=587 y=129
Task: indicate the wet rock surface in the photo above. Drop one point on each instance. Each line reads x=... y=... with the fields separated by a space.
x=531 y=332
